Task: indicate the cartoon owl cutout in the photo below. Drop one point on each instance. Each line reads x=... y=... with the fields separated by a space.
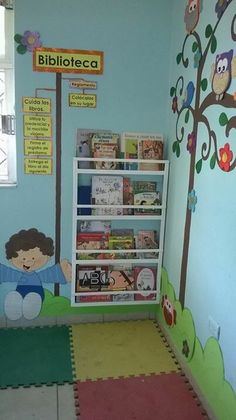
x=192 y=13
x=223 y=71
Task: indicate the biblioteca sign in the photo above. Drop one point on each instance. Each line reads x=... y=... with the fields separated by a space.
x=60 y=60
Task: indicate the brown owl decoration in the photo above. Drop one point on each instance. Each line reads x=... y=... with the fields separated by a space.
x=223 y=71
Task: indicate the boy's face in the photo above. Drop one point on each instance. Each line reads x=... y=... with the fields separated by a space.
x=30 y=260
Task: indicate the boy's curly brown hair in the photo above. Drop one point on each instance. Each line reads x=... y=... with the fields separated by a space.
x=29 y=239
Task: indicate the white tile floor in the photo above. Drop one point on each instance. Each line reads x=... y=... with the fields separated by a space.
x=41 y=403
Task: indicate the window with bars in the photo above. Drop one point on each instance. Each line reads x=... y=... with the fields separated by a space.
x=7 y=137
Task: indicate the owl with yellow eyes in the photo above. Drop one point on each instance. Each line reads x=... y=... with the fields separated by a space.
x=192 y=13
x=224 y=70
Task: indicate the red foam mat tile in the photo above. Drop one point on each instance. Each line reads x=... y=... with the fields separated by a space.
x=155 y=397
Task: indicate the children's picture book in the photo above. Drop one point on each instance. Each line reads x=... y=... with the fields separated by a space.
x=105 y=145
x=92 y=241
x=83 y=144
x=128 y=196
x=95 y=226
x=107 y=190
x=147 y=239
x=145 y=280
x=151 y=148
x=91 y=278
x=123 y=297
x=130 y=149
x=84 y=197
x=93 y=298
x=120 y=280
x=122 y=243
x=145 y=194
x=143 y=146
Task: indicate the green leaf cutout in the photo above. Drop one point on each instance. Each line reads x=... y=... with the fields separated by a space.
x=194 y=47
x=204 y=84
x=172 y=91
x=199 y=166
x=208 y=31
x=213 y=161
x=178 y=58
x=174 y=146
x=223 y=119
x=177 y=150
x=187 y=116
x=18 y=38
x=21 y=49
x=213 y=44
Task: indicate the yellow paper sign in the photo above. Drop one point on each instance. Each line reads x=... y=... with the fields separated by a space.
x=39 y=105
x=83 y=84
x=60 y=60
x=38 y=166
x=82 y=100
x=37 y=126
x=38 y=147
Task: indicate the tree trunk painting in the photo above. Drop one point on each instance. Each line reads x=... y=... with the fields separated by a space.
x=188 y=105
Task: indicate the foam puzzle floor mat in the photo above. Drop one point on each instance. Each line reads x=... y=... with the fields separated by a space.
x=35 y=356
x=162 y=397
x=119 y=349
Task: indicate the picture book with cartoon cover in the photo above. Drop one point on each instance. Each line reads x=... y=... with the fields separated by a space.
x=107 y=190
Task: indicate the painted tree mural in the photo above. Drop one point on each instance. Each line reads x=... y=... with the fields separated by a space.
x=190 y=103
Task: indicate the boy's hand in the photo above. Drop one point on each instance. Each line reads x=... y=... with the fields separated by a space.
x=66 y=268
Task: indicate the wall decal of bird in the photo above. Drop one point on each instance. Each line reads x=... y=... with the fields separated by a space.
x=192 y=13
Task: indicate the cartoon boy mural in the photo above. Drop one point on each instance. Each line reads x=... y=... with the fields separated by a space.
x=28 y=251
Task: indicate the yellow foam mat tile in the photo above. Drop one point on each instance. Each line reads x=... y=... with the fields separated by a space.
x=119 y=349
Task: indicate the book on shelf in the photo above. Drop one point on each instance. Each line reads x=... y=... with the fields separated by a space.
x=146 y=146
x=130 y=149
x=145 y=194
x=84 y=197
x=93 y=298
x=83 y=144
x=91 y=278
x=128 y=196
x=92 y=241
x=151 y=148
x=120 y=280
x=107 y=190
x=145 y=280
x=123 y=297
x=147 y=239
x=121 y=243
x=105 y=145
x=95 y=226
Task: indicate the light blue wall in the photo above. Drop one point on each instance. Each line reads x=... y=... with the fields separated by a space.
x=131 y=94
x=211 y=286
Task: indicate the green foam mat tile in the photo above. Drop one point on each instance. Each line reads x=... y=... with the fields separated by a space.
x=35 y=356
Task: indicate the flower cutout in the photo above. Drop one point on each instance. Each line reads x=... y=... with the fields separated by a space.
x=185 y=349
x=226 y=155
x=174 y=104
x=28 y=42
x=192 y=200
x=220 y=7
x=191 y=142
x=196 y=59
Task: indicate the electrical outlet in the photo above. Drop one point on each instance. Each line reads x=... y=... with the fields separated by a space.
x=214 y=328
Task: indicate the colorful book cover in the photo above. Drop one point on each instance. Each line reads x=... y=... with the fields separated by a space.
x=83 y=144
x=121 y=280
x=108 y=151
x=92 y=241
x=145 y=194
x=151 y=149
x=145 y=280
x=84 y=197
x=130 y=149
x=107 y=190
x=123 y=297
x=122 y=243
x=96 y=298
x=91 y=278
x=147 y=239
x=128 y=196
x=95 y=226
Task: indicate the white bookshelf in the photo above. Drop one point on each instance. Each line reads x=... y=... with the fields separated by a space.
x=156 y=221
